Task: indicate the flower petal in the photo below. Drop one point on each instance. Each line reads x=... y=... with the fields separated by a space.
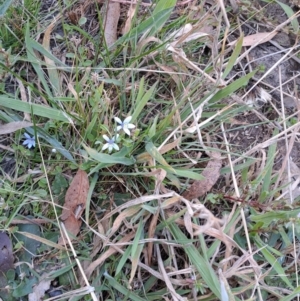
x=127 y=119
x=130 y=126
x=118 y=120
x=119 y=127
x=126 y=131
x=116 y=147
x=25 y=142
x=105 y=146
x=27 y=136
x=106 y=138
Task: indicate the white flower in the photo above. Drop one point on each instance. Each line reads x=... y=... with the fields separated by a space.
x=53 y=150
x=111 y=143
x=125 y=125
x=30 y=141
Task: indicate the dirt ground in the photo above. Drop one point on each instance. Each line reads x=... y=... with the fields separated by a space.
x=286 y=75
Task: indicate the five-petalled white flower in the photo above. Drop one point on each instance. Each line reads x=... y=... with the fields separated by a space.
x=125 y=125
x=111 y=143
x=30 y=141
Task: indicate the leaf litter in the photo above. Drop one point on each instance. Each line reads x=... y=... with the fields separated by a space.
x=169 y=257
x=211 y=173
x=75 y=202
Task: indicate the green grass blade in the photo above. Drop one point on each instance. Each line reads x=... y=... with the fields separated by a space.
x=202 y=265
x=123 y=290
x=35 y=62
x=155 y=154
x=188 y=174
x=136 y=248
x=272 y=261
x=163 y=7
x=232 y=87
x=37 y=109
x=123 y=260
x=292 y=296
x=152 y=24
x=54 y=143
x=267 y=172
x=141 y=102
x=108 y=159
x=234 y=56
x=289 y=11
x=89 y=197
x=35 y=45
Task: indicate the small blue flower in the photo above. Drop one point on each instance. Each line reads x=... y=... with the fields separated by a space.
x=29 y=142
x=125 y=125
x=111 y=143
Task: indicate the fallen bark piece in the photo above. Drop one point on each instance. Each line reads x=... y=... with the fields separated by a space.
x=111 y=22
x=211 y=174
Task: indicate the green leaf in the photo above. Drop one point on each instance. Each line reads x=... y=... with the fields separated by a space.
x=25 y=288
x=36 y=109
x=108 y=159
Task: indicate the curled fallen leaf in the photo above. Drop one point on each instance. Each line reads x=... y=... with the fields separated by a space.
x=211 y=174
x=75 y=201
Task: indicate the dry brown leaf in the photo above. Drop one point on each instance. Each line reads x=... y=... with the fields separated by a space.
x=112 y=16
x=257 y=38
x=14 y=126
x=75 y=201
x=23 y=95
x=188 y=223
x=211 y=174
